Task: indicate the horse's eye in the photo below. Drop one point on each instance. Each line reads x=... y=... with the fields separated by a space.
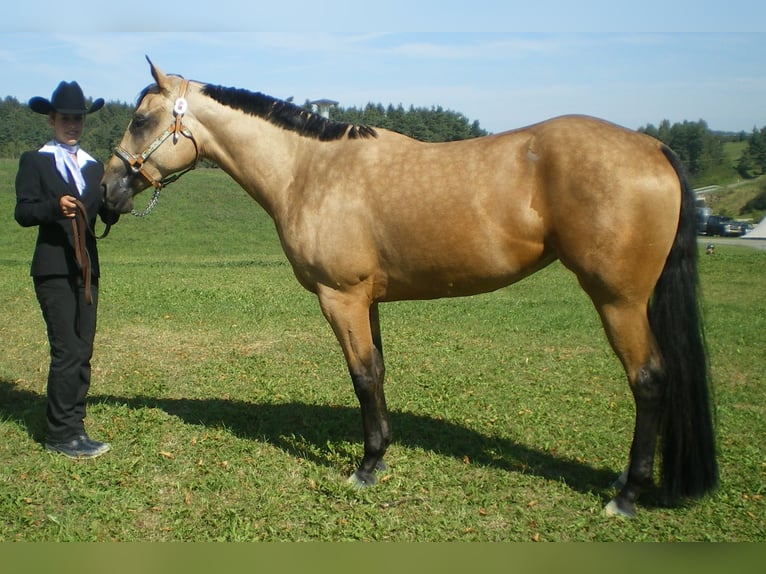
x=138 y=122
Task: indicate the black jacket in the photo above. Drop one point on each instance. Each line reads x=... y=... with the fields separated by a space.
x=39 y=186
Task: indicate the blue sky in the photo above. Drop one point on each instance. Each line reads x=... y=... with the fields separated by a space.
x=505 y=64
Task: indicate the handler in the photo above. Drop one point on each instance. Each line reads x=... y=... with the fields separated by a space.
x=65 y=271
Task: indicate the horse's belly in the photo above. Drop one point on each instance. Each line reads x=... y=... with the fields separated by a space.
x=457 y=276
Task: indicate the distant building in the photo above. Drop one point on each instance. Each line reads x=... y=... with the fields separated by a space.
x=323 y=107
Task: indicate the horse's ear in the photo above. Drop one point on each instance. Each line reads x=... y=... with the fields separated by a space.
x=158 y=75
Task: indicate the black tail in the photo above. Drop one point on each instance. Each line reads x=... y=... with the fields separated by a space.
x=689 y=467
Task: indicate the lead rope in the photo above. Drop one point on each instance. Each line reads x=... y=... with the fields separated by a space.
x=79 y=227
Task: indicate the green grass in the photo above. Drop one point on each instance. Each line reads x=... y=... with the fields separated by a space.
x=232 y=417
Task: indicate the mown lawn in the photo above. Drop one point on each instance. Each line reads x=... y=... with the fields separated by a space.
x=232 y=417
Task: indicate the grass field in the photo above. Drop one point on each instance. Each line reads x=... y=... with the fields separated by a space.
x=232 y=417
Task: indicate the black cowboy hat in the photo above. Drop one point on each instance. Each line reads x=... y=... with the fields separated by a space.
x=67 y=98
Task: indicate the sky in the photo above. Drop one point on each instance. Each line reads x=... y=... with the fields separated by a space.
x=505 y=63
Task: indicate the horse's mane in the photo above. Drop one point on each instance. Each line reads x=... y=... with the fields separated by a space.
x=286 y=114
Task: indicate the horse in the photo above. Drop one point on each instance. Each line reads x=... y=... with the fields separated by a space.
x=367 y=216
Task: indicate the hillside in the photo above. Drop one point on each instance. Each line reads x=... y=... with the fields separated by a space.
x=744 y=200
x=735 y=197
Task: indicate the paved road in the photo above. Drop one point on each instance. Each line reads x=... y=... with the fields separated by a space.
x=754 y=243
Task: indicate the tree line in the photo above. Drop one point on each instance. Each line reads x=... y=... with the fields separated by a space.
x=701 y=150
x=433 y=124
x=752 y=162
x=703 y=153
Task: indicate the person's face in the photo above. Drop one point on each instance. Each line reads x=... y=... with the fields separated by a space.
x=67 y=128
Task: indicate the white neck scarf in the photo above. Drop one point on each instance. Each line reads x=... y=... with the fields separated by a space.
x=68 y=166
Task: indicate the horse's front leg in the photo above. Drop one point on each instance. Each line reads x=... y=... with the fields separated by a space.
x=354 y=321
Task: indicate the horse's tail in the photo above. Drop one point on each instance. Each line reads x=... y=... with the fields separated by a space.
x=687 y=438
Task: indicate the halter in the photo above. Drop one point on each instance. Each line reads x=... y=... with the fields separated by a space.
x=136 y=161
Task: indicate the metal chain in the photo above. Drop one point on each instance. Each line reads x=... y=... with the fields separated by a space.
x=148 y=209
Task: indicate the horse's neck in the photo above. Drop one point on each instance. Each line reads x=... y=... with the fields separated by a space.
x=260 y=157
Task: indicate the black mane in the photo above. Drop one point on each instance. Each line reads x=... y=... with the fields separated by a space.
x=286 y=115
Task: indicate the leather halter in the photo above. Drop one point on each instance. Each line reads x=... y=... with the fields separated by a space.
x=136 y=161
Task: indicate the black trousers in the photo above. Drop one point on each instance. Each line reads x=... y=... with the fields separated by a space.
x=71 y=324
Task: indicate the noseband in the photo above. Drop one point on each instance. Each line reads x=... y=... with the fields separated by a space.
x=136 y=161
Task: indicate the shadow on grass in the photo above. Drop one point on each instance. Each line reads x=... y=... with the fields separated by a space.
x=290 y=425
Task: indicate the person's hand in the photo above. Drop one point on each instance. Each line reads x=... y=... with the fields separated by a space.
x=67 y=205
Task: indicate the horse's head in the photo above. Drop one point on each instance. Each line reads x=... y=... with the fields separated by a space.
x=156 y=148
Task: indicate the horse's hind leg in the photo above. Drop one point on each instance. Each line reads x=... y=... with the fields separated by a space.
x=627 y=328
x=355 y=324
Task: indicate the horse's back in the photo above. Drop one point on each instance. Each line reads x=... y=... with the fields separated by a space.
x=423 y=220
x=559 y=186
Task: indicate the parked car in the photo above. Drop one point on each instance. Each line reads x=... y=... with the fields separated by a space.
x=702 y=215
x=723 y=226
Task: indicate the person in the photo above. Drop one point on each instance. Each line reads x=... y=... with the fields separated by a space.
x=49 y=184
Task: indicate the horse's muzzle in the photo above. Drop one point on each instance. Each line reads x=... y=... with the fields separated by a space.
x=118 y=194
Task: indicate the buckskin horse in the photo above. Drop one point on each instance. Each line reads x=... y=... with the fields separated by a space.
x=367 y=216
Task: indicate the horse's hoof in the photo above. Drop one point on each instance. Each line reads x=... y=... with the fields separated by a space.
x=622 y=510
x=361 y=479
